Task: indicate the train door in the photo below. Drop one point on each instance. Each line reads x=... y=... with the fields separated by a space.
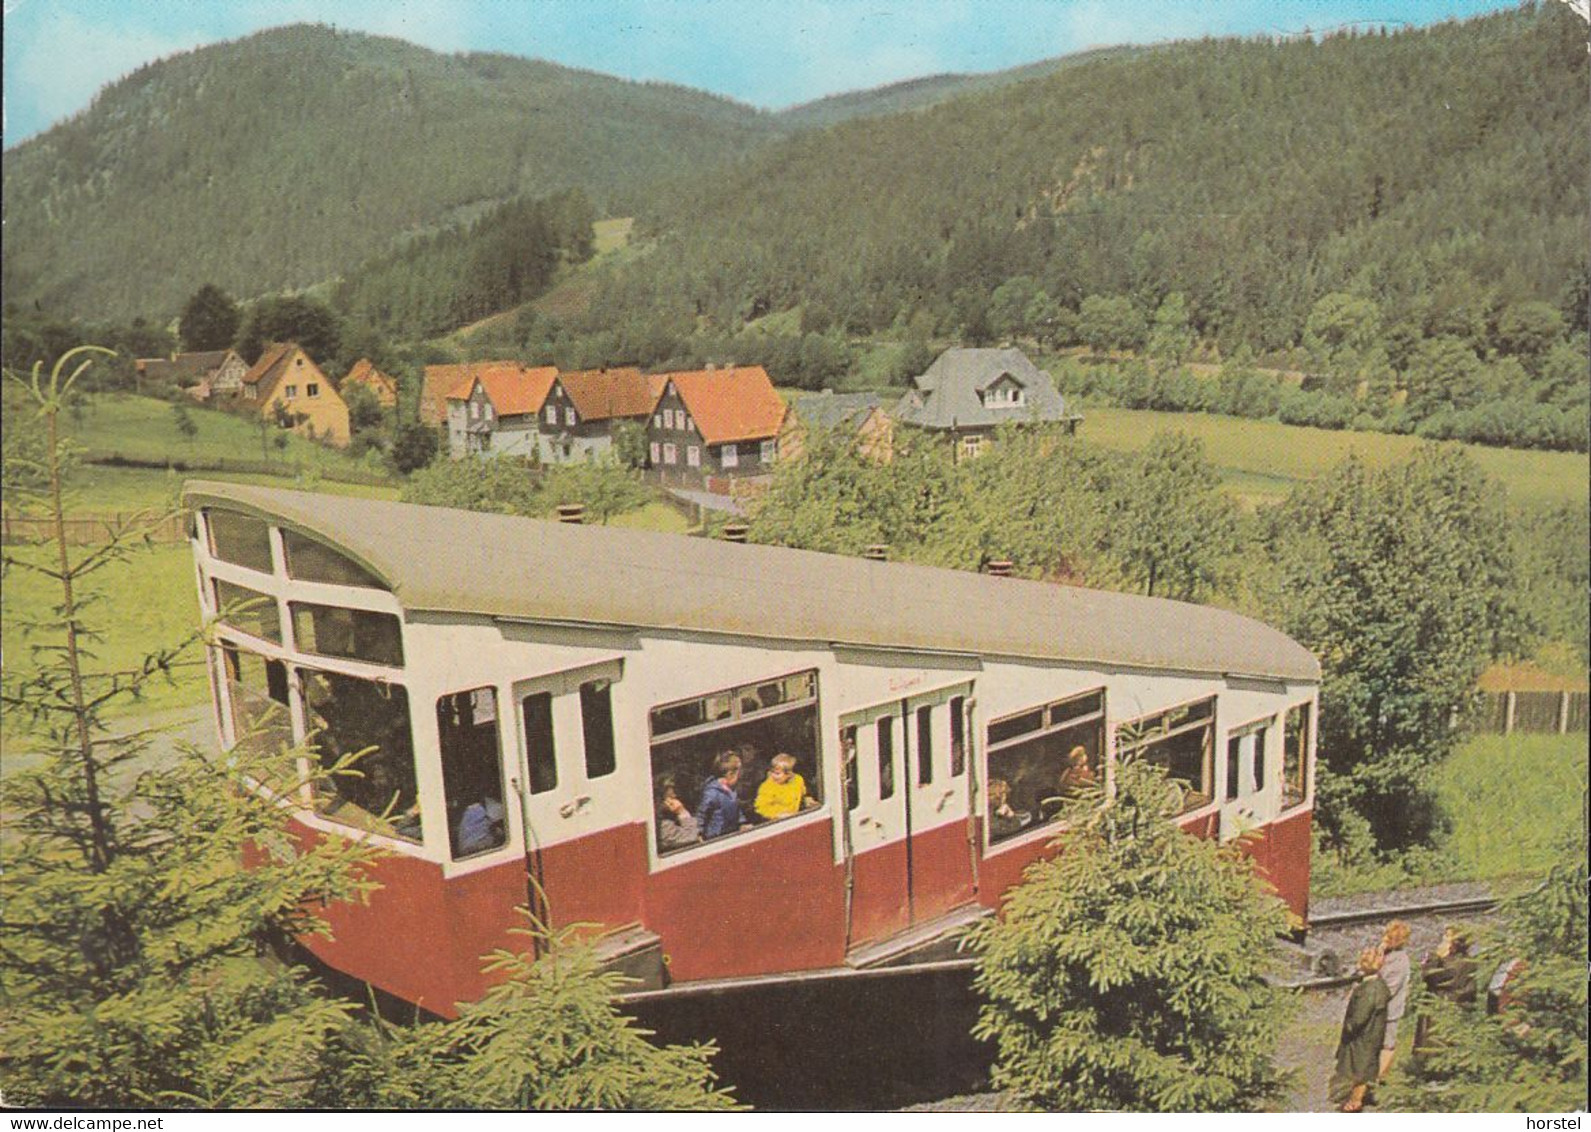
x=908 y=858
x=565 y=783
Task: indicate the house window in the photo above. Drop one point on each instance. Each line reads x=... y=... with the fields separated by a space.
x=657 y=420
x=971 y=447
x=312 y=390
x=472 y=772
x=686 y=423
x=1180 y=740
x=730 y=455
x=1041 y=759
x=656 y=452
x=769 y=451
x=693 y=456
x=569 y=417
x=1295 y=754
x=365 y=722
x=240 y=539
x=670 y=454
x=290 y=392
x=668 y=418
x=735 y=734
x=487 y=410
x=353 y=634
x=552 y=414
x=248 y=611
x=312 y=561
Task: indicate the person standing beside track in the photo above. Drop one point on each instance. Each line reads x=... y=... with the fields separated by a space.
x=1395 y=972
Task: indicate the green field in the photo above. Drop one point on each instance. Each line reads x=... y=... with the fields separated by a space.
x=144 y=428
x=1515 y=802
x=1263 y=460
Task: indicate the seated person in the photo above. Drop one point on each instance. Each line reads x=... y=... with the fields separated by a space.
x=718 y=812
x=784 y=792
x=1075 y=778
x=676 y=827
x=1003 y=820
x=480 y=827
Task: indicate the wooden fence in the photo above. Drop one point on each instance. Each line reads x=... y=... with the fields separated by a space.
x=1503 y=713
x=87 y=530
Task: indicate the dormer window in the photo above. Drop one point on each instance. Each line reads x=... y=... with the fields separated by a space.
x=1004 y=393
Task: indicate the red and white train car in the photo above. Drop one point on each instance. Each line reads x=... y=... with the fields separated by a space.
x=531 y=688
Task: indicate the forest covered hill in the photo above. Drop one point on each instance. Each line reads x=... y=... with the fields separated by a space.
x=279 y=160
x=1440 y=173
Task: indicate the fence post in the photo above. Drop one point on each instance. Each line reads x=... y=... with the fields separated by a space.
x=1508 y=713
x=1563 y=713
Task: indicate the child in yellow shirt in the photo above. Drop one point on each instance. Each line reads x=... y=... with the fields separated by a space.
x=784 y=792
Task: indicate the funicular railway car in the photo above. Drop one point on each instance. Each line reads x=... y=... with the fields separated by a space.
x=546 y=699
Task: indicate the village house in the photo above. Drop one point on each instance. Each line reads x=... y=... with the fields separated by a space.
x=969 y=393
x=201 y=375
x=861 y=416
x=494 y=408
x=714 y=426
x=286 y=384
x=581 y=409
x=366 y=374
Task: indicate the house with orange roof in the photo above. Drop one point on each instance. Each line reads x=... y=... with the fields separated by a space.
x=365 y=373
x=582 y=407
x=287 y=386
x=715 y=425
x=494 y=409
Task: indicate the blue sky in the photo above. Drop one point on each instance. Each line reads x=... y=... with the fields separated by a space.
x=770 y=53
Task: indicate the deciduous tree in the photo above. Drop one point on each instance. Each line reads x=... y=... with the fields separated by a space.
x=209 y=320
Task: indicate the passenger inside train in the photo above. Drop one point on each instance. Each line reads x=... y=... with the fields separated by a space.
x=676 y=825
x=783 y=792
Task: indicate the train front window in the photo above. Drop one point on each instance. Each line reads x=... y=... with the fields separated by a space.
x=1182 y=741
x=354 y=634
x=734 y=759
x=311 y=561
x=367 y=723
x=472 y=772
x=240 y=539
x=248 y=611
x=257 y=697
x=1295 y=755
x=1041 y=760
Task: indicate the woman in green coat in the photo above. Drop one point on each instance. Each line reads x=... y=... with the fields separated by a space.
x=1364 y=1024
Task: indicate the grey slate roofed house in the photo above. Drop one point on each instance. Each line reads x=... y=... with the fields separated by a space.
x=968 y=393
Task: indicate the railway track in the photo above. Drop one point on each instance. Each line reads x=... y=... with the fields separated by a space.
x=1463 y=906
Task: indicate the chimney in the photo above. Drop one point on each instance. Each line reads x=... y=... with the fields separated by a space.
x=571 y=513
x=999 y=568
x=878 y=552
x=735 y=532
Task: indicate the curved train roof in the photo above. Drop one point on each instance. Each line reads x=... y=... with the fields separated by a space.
x=441 y=560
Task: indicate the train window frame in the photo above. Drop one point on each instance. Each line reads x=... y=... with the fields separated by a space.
x=688 y=738
x=1259 y=728
x=924 y=716
x=470 y=700
x=1179 y=719
x=1060 y=722
x=1311 y=720
x=296 y=607
x=325 y=570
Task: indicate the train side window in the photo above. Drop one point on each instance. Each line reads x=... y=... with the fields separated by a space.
x=958 y=736
x=472 y=771
x=1040 y=759
x=596 y=722
x=755 y=723
x=1181 y=740
x=1261 y=738
x=886 y=757
x=925 y=745
x=240 y=539
x=350 y=716
x=354 y=634
x=248 y=611
x=540 y=751
x=1295 y=755
x=1234 y=752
